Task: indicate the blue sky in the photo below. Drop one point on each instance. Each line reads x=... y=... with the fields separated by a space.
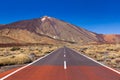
x=101 y=16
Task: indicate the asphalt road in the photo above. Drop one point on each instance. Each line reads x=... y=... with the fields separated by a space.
x=64 y=64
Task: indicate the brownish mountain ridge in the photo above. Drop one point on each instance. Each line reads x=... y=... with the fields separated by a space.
x=111 y=38
x=47 y=30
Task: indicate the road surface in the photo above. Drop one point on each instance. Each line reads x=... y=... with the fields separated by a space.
x=64 y=64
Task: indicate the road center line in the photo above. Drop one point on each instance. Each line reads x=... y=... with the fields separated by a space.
x=65 y=66
x=64 y=55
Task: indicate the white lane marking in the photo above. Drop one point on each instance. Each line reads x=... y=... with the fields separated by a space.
x=65 y=66
x=64 y=50
x=64 y=55
x=98 y=63
x=25 y=66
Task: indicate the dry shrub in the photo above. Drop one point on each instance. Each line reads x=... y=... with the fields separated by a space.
x=115 y=62
x=15 y=59
x=15 y=49
x=113 y=55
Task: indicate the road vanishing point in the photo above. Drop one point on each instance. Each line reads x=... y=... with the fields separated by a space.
x=64 y=64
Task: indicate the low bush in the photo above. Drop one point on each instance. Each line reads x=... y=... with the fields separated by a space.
x=15 y=59
x=15 y=48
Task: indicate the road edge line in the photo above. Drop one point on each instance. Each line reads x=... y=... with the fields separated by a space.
x=98 y=62
x=8 y=75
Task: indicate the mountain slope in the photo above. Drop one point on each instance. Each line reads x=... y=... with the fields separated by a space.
x=46 y=30
x=33 y=31
x=111 y=38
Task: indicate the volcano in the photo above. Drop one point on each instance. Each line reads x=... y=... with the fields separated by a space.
x=47 y=30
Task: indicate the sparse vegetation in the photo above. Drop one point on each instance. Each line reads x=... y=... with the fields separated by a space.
x=15 y=59
x=109 y=54
x=23 y=54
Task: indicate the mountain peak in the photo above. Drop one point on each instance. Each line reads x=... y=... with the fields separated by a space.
x=45 y=17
